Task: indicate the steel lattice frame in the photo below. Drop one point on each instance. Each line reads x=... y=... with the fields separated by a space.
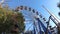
x=37 y=17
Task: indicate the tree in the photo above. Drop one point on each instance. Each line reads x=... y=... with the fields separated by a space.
x=59 y=5
x=11 y=21
x=59 y=8
x=59 y=13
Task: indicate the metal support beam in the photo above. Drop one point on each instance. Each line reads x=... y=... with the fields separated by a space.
x=53 y=17
x=34 y=28
x=39 y=27
x=44 y=28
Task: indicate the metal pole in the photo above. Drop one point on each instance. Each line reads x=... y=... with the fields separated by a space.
x=40 y=32
x=34 y=28
x=53 y=17
x=48 y=24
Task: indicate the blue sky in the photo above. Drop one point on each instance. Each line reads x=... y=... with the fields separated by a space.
x=37 y=4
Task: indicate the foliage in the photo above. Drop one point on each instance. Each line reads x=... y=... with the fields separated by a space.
x=59 y=5
x=9 y=18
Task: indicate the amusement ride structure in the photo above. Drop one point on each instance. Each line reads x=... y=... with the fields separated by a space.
x=39 y=22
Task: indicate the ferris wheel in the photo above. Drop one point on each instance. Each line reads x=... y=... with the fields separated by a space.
x=33 y=17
